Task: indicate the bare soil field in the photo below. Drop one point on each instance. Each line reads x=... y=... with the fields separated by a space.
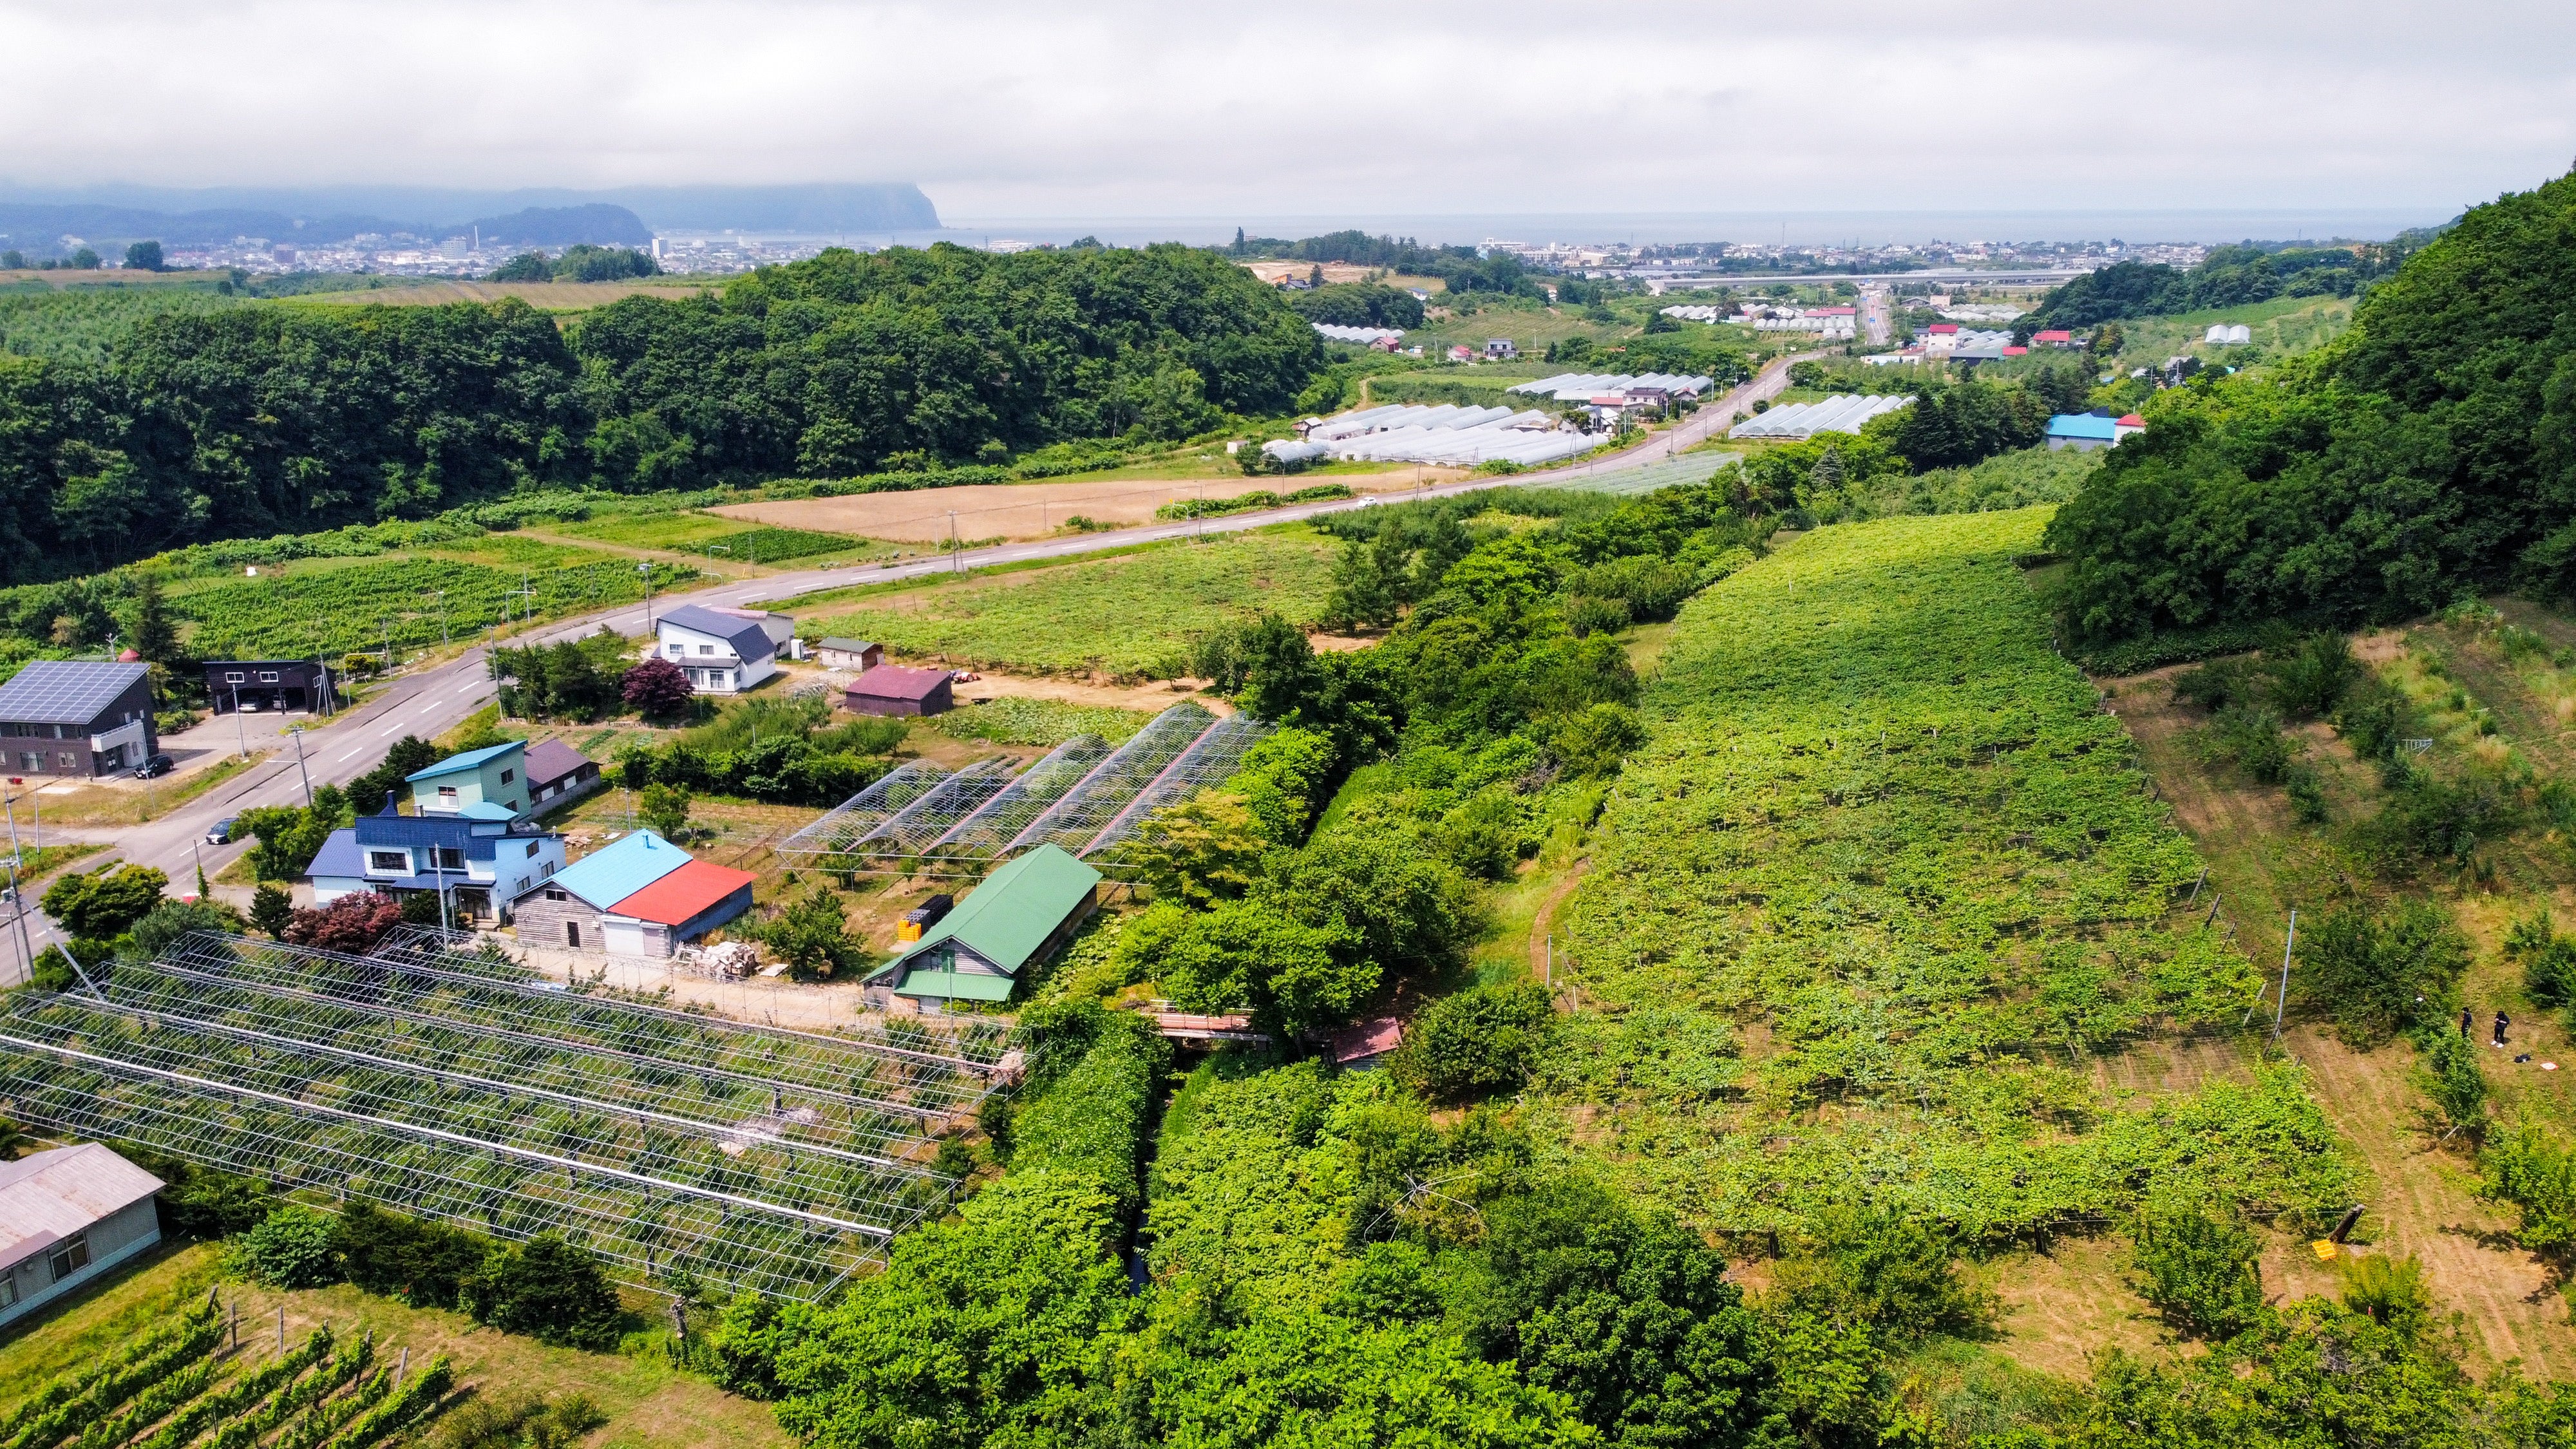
x=1013 y=510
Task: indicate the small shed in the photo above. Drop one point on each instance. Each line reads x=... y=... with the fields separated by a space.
x=849 y=654
x=1366 y=1044
x=66 y=1217
x=556 y=769
x=893 y=689
x=1016 y=919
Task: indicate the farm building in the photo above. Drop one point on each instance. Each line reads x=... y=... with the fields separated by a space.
x=893 y=689
x=77 y=717
x=849 y=654
x=1366 y=1044
x=1014 y=920
x=253 y=685
x=642 y=896
x=2085 y=432
x=493 y=775
x=67 y=1216
x=480 y=855
x=1842 y=413
x=724 y=651
x=557 y=770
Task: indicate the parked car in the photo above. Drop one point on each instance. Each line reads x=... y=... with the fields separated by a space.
x=222 y=832
x=156 y=766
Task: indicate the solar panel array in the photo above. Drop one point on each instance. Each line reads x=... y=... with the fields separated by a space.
x=64 y=691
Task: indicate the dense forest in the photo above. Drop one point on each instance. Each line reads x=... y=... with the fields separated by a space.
x=2431 y=451
x=250 y=421
x=1458 y=267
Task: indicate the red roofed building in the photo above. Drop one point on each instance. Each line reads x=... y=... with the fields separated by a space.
x=2016 y=352
x=681 y=906
x=1365 y=1044
x=2052 y=339
x=1943 y=329
x=893 y=689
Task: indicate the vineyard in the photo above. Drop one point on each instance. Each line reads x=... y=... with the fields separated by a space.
x=1133 y=615
x=190 y=1382
x=415 y=602
x=707 y=533
x=1879 y=895
x=468 y=1091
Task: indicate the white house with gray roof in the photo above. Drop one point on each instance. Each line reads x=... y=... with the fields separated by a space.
x=724 y=651
x=66 y=1217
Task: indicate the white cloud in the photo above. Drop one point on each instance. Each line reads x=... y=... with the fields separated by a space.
x=998 y=107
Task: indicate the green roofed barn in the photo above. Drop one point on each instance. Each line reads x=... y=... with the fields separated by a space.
x=1013 y=921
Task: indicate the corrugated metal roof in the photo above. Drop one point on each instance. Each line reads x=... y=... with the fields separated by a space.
x=552 y=760
x=1007 y=918
x=684 y=894
x=749 y=640
x=2081 y=425
x=846 y=646
x=65 y=691
x=893 y=681
x=605 y=877
x=470 y=760
x=52 y=1195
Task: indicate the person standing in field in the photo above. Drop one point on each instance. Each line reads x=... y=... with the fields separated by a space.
x=2502 y=1021
x=2464 y=1023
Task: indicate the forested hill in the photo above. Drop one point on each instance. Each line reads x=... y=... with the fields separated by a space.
x=2231 y=276
x=2429 y=452
x=265 y=419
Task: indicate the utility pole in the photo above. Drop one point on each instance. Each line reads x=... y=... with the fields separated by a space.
x=441 y=596
x=2283 y=1003
x=298 y=732
x=26 y=948
x=241 y=732
x=956 y=556
x=646 y=569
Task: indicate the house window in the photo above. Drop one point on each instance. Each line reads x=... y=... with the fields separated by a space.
x=268 y=676
x=447 y=795
x=31 y=759
x=679 y=649
x=8 y=1288
x=394 y=862
x=706 y=649
x=450 y=858
x=572 y=933
x=531 y=851
x=556 y=895
x=724 y=680
x=66 y=760
x=235 y=677
x=508 y=775
x=69 y=1256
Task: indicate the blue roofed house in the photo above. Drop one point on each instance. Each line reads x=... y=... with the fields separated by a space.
x=725 y=651
x=2085 y=432
x=493 y=775
x=481 y=855
x=578 y=909
x=1018 y=917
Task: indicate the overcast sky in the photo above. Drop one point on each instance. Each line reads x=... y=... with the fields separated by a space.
x=1199 y=108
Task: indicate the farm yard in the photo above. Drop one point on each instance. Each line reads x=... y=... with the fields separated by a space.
x=1133 y=615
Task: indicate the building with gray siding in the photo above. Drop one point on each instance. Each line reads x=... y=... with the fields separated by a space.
x=66 y=1217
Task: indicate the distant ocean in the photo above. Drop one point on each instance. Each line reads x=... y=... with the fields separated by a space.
x=1812 y=228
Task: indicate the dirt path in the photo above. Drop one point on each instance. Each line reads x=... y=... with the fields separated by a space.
x=1546 y=918
x=2423 y=1204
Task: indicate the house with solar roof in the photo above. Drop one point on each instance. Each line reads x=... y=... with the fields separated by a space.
x=77 y=717
x=641 y=896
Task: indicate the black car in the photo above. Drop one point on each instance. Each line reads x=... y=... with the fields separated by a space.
x=156 y=766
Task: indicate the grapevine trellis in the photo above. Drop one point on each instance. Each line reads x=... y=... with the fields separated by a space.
x=463 y=1088
x=1084 y=797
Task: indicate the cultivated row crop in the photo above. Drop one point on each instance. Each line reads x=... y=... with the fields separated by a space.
x=173 y=1387
x=412 y=602
x=1880 y=822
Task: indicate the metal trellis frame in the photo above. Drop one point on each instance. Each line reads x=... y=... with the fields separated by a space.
x=1208 y=761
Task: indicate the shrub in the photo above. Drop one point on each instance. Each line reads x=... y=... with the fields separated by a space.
x=2203 y=1273
x=1484 y=1040
x=417 y=1261
x=2310 y=678
x=2531 y=1170
x=2378 y=974
x=291 y=1248
x=664 y=809
x=657 y=688
x=171 y=920
x=351 y=925
x=103 y=904
x=272 y=908
x=549 y=1289
x=2455 y=1084
x=2390 y=1291
x=1875 y=1267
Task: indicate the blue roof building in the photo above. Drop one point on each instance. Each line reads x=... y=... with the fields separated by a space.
x=478 y=854
x=2086 y=431
x=605 y=877
x=493 y=775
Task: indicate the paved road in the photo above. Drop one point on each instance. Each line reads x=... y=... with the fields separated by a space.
x=1874 y=317
x=434 y=699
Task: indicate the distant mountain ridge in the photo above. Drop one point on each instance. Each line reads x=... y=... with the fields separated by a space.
x=822 y=208
x=40 y=225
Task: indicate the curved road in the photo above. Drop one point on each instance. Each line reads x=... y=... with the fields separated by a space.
x=432 y=701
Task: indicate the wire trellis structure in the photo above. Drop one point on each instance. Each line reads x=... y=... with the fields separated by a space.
x=1073 y=821
x=749 y=1156
x=1083 y=797
x=1209 y=760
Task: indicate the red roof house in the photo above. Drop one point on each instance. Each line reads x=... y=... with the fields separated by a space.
x=2053 y=338
x=893 y=689
x=1942 y=328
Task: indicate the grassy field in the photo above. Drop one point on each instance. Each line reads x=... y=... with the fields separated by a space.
x=2282 y=327
x=77 y=324
x=337 y=605
x=705 y=534
x=648 y=1403
x=1129 y=615
x=1884 y=911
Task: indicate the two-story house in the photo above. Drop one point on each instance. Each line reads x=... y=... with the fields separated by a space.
x=493 y=775
x=723 y=651
x=480 y=855
x=77 y=717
